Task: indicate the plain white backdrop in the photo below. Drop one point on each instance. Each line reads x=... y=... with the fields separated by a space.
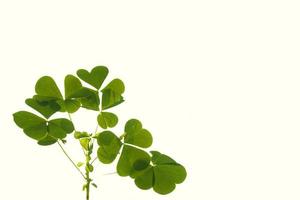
x=216 y=82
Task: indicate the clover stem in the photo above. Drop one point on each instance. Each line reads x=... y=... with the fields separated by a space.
x=64 y=151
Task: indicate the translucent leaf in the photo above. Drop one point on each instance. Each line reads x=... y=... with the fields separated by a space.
x=111 y=99
x=47 y=87
x=109 y=147
x=136 y=135
x=112 y=94
x=95 y=77
x=46 y=108
x=32 y=125
x=85 y=143
x=59 y=128
x=79 y=135
x=72 y=85
x=79 y=164
x=89 y=98
x=69 y=105
x=115 y=85
x=107 y=119
x=129 y=156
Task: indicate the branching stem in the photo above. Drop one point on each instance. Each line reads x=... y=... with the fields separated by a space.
x=64 y=151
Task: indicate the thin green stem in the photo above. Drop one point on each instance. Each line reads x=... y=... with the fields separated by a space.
x=64 y=151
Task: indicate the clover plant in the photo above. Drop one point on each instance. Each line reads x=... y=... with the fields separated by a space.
x=148 y=170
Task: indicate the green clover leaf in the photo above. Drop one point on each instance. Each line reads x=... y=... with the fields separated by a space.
x=136 y=135
x=162 y=176
x=112 y=94
x=107 y=119
x=109 y=146
x=95 y=78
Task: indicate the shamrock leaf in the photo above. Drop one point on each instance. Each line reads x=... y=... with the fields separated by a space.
x=46 y=108
x=132 y=161
x=47 y=88
x=88 y=98
x=46 y=132
x=107 y=119
x=109 y=147
x=136 y=135
x=72 y=85
x=59 y=128
x=112 y=94
x=48 y=140
x=32 y=125
x=95 y=78
x=162 y=176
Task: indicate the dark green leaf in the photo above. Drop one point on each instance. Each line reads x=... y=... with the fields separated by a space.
x=129 y=157
x=72 y=85
x=159 y=159
x=93 y=184
x=109 y=147
x=136 y=135
x=47 y=87
x=167 y=176
x=163 y=176
x=48 y=140
x=89 y=167
x=59 y=128
x=107 y=119
x=145 y=181
x=32 y=125
x=46 y=108
x=95 y=77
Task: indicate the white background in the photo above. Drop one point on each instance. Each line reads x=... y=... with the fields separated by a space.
x=216 y=82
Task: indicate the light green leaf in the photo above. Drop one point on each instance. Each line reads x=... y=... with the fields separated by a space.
x=72 y=105
x=112 y=94
x=79 y=164
x=72 y=85
x=85 y=143
x=47 y=87
x=95 y=77
x=129 y=157
x=116 y=86
x=59 y=128
x=107 y=119
x=32 y=125
x=109 y=147
x=111 y=99
x=136 y=135
x=79 y=135
x=46 y=108
x=48 y=140
x=89 y=98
